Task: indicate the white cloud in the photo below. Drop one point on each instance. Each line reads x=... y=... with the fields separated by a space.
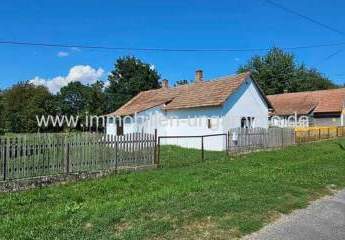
x=106 y=84
x=152 y=67
x=75 y=49
x=62 y=54
x=82 y=73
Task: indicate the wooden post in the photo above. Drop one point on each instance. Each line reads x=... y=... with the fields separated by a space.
x=202 y=148
x=116 y=148
x=156 y=159
x=282 y=132
x=66 y=159
x=227 y=142
x=328 y=133
x=319 y=133
x=5 y=154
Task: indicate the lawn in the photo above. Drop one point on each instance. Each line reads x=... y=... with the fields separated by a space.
x=215 y=199
x=173 y=156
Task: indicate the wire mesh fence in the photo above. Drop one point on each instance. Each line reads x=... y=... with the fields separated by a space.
x=215 y=147
x=176 y=151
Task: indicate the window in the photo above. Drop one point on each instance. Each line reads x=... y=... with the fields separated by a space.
x=209 y=123
x=247 y=122
x=243 y=122
x=251 y=122
x=119 y=127
x=110 y=120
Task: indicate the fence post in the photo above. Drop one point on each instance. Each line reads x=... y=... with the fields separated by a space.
x=319 y=134
x=116 y=149
x=227 y=142
x=329 y=134
x=202 y=148
x=66 y=159
x=282 y=132
x=5 y=158
x=156 y=159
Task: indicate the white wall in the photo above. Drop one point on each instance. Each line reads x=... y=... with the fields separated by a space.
x=111 y=128
x=245 y=102
x=192 y=122
x=144 y=122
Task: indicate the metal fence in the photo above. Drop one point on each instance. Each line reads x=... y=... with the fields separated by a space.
x=185 y=150
x=27 y=156
x=176 y=151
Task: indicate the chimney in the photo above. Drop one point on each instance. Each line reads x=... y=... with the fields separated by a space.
x=198 y=76
x=165 y=83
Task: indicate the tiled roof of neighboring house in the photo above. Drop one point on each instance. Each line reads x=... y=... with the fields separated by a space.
x=198 y=94
x=323 y=101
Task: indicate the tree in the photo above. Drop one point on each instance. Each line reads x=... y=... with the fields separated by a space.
x=129 y=77
x=277 y=71
x=22 y=103
x=310 y=80
x=80 y=100
x=74 y=99
x=97 y=99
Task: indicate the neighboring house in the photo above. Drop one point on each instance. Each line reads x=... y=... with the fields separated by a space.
x=200 y=108
x=320 y=108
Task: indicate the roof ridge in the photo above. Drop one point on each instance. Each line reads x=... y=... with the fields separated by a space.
x=221 y=78
x=311 y=91
x=229 y=76
x=206 y=93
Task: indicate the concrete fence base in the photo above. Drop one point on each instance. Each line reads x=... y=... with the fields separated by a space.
x=38 y=182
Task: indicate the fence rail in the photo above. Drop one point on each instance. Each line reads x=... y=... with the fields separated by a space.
x=27 y=156
x=318 y=133
x=185 y=150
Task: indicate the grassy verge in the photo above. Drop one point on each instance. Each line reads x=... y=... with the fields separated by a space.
x=210 y=200
x=173 y=156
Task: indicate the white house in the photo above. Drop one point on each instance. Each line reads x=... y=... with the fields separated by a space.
x=200 y=108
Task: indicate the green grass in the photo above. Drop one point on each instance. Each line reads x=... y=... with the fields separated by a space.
x=210 y=200
x=173 y=156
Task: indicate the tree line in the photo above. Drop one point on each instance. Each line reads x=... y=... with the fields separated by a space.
x=276 y=72
x=22 y=102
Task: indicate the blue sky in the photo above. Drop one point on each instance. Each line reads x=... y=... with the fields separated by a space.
x=162 y=24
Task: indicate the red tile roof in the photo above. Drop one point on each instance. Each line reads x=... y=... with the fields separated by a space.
x=323 y=101
x=200 y=94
